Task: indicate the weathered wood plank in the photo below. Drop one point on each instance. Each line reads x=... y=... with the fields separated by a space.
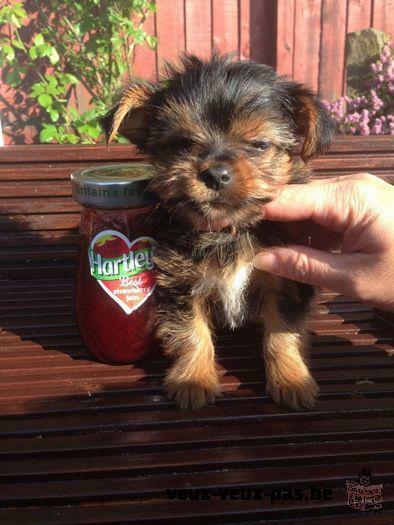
x=67 y=152
x=333 y=34
x=145 y=58
x=225 y=36
x=170 y=26
x=382 y=15
x=36 y=223
x=244 y=29
x=262 y=32
x=177 y=512
x=285 y=37
x=32 y=205
x=198 y=27
x=359 y=15
x=307 y=32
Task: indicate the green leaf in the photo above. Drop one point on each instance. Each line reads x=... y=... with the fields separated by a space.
x=33 y=52
x=139 y=36
x=37 y=89
x=77 y=29
x=44 y=50
x=84 y=26
x=89 y=114
x=45 y=100
x=48 y=133
x=52 y=81
x=14 y=20
x=54 y=114
x=68 y=78
x=3 y=14
x=151 y=6
x=13 y=78
x=8 y=51
x=91 y=131
x=74 y=113
x=19 y=45
x=68 y=137
x=38 y=39
x=19 y=11
x=152 y=41
x=54 y=56
x=94 y=132
x=54 y=91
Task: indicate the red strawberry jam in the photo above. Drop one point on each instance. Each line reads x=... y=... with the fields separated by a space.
x=114 y=293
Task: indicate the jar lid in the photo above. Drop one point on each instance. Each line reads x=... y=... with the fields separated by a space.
x=113 y=186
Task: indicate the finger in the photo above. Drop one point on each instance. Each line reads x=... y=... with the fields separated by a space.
x=339 y=272
x=323 y=202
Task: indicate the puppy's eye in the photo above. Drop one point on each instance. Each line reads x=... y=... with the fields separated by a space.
x=173 y=144
x=260 y=145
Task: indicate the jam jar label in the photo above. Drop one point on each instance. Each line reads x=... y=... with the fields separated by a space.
x=122 y=268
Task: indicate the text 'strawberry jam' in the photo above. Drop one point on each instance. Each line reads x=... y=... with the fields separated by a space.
x=114 y=293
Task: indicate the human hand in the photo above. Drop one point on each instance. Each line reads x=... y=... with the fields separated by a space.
x=356 y=211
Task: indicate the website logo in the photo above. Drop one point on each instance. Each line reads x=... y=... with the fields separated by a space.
x=364 y=495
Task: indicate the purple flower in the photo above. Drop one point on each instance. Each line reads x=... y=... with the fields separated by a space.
x=364 y=115
x=377 y=127
x=364 y=129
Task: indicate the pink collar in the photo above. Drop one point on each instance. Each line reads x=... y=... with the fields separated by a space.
x=215 y=226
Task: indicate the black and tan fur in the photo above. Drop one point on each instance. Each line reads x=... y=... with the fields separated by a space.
x=240 y=115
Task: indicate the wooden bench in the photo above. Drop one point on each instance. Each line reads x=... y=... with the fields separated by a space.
x=83 y=442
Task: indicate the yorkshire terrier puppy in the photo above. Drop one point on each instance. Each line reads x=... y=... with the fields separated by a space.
x=221 y=134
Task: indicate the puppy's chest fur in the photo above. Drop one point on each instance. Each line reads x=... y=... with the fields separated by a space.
x=227 y=289
x=224 y=278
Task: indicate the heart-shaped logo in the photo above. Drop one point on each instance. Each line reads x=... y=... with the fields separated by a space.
x=122 y=268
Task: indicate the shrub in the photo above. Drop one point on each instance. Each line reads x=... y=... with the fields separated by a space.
x=49 y=48
x=371 y=113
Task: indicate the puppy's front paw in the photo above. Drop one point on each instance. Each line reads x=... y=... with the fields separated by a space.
x=192 y=394
x=296 y=392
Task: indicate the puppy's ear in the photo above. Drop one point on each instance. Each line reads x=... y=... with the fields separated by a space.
x=312 y=121
x=129 y=116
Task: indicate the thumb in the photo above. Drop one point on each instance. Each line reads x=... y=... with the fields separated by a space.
x=336 y=271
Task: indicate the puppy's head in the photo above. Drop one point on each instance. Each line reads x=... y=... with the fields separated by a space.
x=220 y=134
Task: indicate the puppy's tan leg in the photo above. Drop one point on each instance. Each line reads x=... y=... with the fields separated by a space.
x=288 y=379
x=192 y=379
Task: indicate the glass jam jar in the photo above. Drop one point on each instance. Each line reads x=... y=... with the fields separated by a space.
x=115 y=281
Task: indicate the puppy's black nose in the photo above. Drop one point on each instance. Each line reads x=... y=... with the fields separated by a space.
x=217 y=177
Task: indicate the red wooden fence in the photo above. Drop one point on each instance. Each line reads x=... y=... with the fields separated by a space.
x=304 y=39
x=241 y=26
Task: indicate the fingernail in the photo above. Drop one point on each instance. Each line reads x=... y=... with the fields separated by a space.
x=266 y=261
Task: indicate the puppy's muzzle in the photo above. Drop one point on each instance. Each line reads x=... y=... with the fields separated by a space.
x=217 y=177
